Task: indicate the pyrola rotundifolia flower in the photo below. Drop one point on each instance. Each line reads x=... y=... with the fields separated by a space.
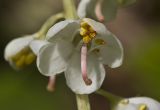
x=18 y=53
x=101 y=9
x=79 y=48
x=138 y=103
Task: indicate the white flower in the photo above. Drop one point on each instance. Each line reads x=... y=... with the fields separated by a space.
x=70 y=42
x=138 y=103
x=101 y=9
x=18 y=53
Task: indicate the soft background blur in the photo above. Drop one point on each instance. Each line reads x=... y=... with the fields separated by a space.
x=137 y=26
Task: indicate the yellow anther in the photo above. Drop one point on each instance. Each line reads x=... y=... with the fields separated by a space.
x=16 y=57
x=92 y=35
x=23 y=58
x=86 y=39
x=22 y=52
x=125 y=101
x=96 y=50
x=84 y=24
x=87 y=32
x=143 y=107
x=100 y=42
x=20 y=61
x=25 y=51
x=91 y=29
x=83 y=32
x=29 y=58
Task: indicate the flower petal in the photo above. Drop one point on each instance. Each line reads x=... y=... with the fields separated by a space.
x=36 y=45
x=16 y=45
x=96 y=73
x=63 y=30
x=97 y=26
x=126 y=107
x=111 y=52
x=107 y=8
x=52 y=58
x=149 y=102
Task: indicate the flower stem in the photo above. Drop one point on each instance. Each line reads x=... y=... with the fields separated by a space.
x=83 y=102
x=111 y=97
x=70 y=13
x=70 y=9
x=51 y=21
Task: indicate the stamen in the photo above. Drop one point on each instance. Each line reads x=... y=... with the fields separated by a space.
x=87 y=32
x=51 y=83
x=91 y=29
x=84 y=65
x=24 y=58
x=84 y=24
x=92 y=35
x=83 y=31
x=100 y=42
x=96 y=50
x=30 y=58
x=86 y=39
x=20 y=62
x=143 y=107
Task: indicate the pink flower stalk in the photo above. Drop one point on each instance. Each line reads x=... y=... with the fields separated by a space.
x=98 y=12
x=51 y=83
x=84 y=65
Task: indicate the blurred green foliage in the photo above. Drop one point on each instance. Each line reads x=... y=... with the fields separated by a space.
x=25 y=90
x=146 y=65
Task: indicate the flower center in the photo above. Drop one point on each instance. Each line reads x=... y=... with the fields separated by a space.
x=87 y=32
x=23 y=58
x=143 y=107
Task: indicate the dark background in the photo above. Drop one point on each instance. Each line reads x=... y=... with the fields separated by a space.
x=136 y=26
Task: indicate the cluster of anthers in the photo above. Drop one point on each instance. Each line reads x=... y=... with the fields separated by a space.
x=141 y=106
x=88 y=33
x=24 y=58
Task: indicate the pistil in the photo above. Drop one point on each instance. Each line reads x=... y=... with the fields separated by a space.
x=51 y=83
x=84 y=65
x=98 y=11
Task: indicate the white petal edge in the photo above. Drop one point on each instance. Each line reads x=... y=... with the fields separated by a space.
x=126 y=107
x=52 y=58
x=149 y=102
x=96 y=73
x=36 y=45
x=111 y=53
x=63 y=30
x=16 y=45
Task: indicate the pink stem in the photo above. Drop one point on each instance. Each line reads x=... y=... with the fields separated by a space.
x=98 y=12
x=84 y=65
x=51 y=83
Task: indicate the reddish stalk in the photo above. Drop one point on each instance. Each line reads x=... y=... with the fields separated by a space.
x=84 y=65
